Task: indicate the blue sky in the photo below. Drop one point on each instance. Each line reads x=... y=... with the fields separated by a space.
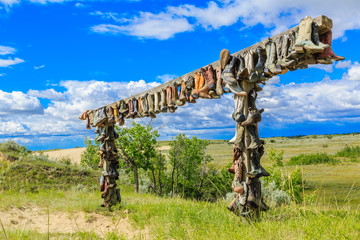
x=59 y=58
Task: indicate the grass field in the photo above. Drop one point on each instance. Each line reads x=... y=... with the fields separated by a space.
x=334 y=213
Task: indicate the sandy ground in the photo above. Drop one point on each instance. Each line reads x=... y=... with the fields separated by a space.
x=34 y=218
x=75 y=153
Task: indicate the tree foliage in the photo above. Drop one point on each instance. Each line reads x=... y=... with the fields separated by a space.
x=90 y=157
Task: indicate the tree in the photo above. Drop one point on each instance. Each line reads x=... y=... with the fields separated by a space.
x=136 y=146
x=90 y=157
x=157 y=173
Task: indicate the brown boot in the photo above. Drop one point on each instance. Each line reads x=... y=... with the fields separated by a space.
x=150 y=101
x=131 y=109
x=169 y=101
x=156 y=103
x=328 y=53
x=224 y=58
x=219 y=88
x=209 y=82
x=163 y=105
x=175 y=96
x=141 y=111
x=236 y=156
x=182 y=92
x=195 y=93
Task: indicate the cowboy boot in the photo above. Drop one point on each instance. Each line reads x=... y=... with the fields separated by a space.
x=236 y=156
x=121 y=119
x=116 y=112
x=249 y=61
x=169 y=101
x=303 y=41
x=254 y=193
x=195 y=93
x=131 y=109
x=102 y=134
x=135 y=104
x=252 y=95
x=242 y=72
x=208 y=84
x=253 y=117
x=315 y=37
x=261 y=60
x=278 y=48
x=140 y=109
x=228 y=77
x=175 y=96
x=145 y=104
x=151 y=105
x=282 y=59
x=156 y=103
x=189 y=89
x=270 y=67
x=255 y=142
x=163 y=105
x=182 y=97
x=201 y=81
x=224 y=58
x=328 y=52
x=257 y=171
x=219 y=88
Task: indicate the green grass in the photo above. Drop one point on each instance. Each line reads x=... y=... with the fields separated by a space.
x=313 y=158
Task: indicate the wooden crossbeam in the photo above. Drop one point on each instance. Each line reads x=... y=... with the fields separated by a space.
x=324 y=24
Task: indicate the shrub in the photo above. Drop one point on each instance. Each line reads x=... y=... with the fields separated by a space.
x=276 y=158
x=272 y=140
x=351 y=152
x=90 y=156
x=325 y=145
x=329 y=137
x=308 y=159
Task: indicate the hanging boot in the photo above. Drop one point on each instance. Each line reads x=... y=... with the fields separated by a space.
x=212 y=82
x=270 y=67
x=242 y=72
x=254 y=195
x=150 y=101
x=228 y=77
x=195 y=93
x=257 y=171
x=328 y=53
x=236 y=156
x=163 y=104
x=156 y=103
x=282 y=58
x=140 y=109
x=259 y=68
x=253 y=117
x=131 y=109
x=255 y=142
x=121 y=119
x=116 y=112
x=219 y=88
x=189 y=88
x=208 y=84
x=135 y=104
x=315 y=37
x=182 y=97
x=122 y=106
x=224 y=58
x=145 y=104
x=175 y=96
x=303 y=40
x=170 y=103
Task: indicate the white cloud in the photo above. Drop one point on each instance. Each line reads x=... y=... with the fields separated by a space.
x=166 y=77
x=2 y=74
x=8 y=62
x=80 y=5
x=48 y=94
x=9 y=2
x=354 y=72
x=277 y=15
x=343 y=64
x=39 y=67
x=326 y=67
x=158 y=26
x=19 y=103
x=4 y=50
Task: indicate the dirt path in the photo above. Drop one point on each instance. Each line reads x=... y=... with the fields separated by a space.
x=33 y=218
x=73 y=153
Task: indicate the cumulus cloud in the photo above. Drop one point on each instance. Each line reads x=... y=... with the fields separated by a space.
x=9 y=2
x=8 y=62
x=16 y=102
x=354 y=72
x=277 y=15
x=39 y=67
x=4 y=50
x=48 y=94
x=166 y=77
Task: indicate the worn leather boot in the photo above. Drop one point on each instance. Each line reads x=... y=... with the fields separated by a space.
x=145 y=104
x=209 y=83
x=169 y=101
x=242 y=72
x=259 y=67
x=303 y=40
x=236 y=156
x=219 y=88
x=253 y=117
x=255 y=142
x=163 y=104
x=195 y=93
x=189 y=88
x=135 y=105
x=328 y=53
x=257 y=171
x=182 y=97
x=228 y=77
x=122 y=106
x=150 y=100
x=131 y=109
x=156 y=103
x=224 y=58
x=140 y=109
x=254 y=195
x=175 y=96
x=116 y=112
x=121 y=119
x=315 y=37
x=270 y=67
x=249 y=61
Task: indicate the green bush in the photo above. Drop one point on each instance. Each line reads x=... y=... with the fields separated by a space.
x=308 y=159
x=350 y=152
x=90 y=157
x=276 y=158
